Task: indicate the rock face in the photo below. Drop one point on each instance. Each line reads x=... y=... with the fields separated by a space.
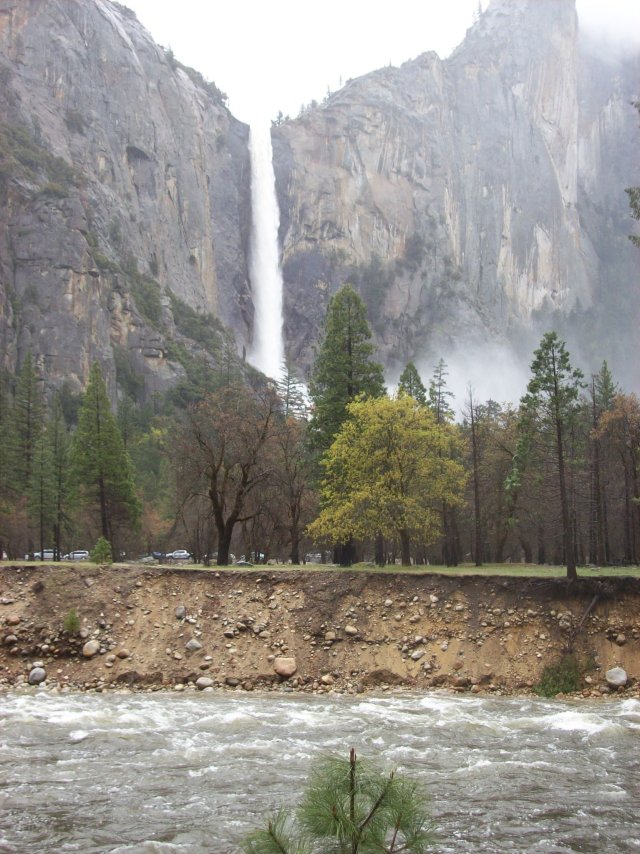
x=125 y=187
x=472 y=199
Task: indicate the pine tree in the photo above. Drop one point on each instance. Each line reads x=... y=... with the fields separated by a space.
x=439 y=396
x=25 y=426
x=100 y=473
x=292 y=392
x=343 y=369
x=350 y=807
x=41 y=495
x=411 y=384
x=548 y=411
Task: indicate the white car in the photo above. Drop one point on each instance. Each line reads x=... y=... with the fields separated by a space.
x=80 y=554
x=179 y=554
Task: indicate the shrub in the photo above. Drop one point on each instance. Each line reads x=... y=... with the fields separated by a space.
x=349 y=806
x=71 y=623
x=563 y=677
x=101 y=552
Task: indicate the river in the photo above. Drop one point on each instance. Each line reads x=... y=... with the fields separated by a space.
x=193 y=773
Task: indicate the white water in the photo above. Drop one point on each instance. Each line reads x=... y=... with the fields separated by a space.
x=267 y=350
x=192 y=774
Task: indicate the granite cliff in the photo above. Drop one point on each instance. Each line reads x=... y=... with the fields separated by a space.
x=125 y=197
x=475 y=199
x=472 y=200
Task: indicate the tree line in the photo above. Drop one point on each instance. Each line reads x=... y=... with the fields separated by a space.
x=268 y=469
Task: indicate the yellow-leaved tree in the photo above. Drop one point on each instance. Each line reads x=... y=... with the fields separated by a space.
x=387 y=473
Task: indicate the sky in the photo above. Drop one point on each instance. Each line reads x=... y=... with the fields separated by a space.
x=276 y=55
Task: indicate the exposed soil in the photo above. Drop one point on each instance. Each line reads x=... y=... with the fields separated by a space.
x=347 y=631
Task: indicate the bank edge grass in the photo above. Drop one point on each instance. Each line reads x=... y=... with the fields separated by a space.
x=488 y=570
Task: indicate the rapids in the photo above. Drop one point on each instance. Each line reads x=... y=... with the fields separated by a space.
x=193 y=773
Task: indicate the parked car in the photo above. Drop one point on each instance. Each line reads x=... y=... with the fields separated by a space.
x=79 y=554
x=179 y=554
x=48 y=554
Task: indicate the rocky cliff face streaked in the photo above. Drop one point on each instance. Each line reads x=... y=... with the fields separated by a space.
x=126 y=181
x=475 y=199
x=472 y=200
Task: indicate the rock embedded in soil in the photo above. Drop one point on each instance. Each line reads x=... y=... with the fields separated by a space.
x=91 y=648
x=285 y=666
x=616 y=677
x=37 y=675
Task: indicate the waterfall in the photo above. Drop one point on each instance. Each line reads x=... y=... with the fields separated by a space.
x=267 y=350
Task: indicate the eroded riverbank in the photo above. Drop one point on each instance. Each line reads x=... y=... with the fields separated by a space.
x=155 y=628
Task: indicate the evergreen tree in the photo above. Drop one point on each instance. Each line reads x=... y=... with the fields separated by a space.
x=343 y=369
x=548 y=411
x=100 y=472
x=59 y=443
x=350 y=807
x=411 y=384
x=25 y=425
x=603 y=396
x=41 y=496
x=439 y=396
x=292 y=392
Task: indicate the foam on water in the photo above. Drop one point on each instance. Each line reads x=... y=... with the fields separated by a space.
x=163 y=772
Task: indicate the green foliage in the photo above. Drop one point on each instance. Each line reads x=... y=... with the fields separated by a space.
x=563 y=677
x=388 y=470
x=292 y=392
x=343 y=369
x=350 y=807
x=439 y=394
x=22 y=156
x=204 y=329
x=411 y=384
x=27 y=424
x=71 y=623
x=101 y=552
x=145 y=291
x=100 y=469
x=130 y=382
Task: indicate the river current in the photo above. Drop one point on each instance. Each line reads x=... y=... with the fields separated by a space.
x=193 y=773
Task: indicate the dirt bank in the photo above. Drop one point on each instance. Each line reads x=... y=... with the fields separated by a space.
x=166 y=628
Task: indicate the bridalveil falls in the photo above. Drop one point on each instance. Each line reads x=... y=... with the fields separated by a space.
x=267 y=350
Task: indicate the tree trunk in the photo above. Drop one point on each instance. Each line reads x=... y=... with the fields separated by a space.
x=405 y=547
x=379 y=550
x=567 y=527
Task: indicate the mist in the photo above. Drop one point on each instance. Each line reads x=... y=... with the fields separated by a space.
x=613 y=26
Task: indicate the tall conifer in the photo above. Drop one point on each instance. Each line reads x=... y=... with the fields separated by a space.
x=344 y=368
x=101 y=474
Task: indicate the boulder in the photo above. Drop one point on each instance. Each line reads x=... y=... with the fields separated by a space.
x=91 y=648
x=616 y=677
x=37 y=675
x=285 y=666
x=203 y=682
x=350 y=630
